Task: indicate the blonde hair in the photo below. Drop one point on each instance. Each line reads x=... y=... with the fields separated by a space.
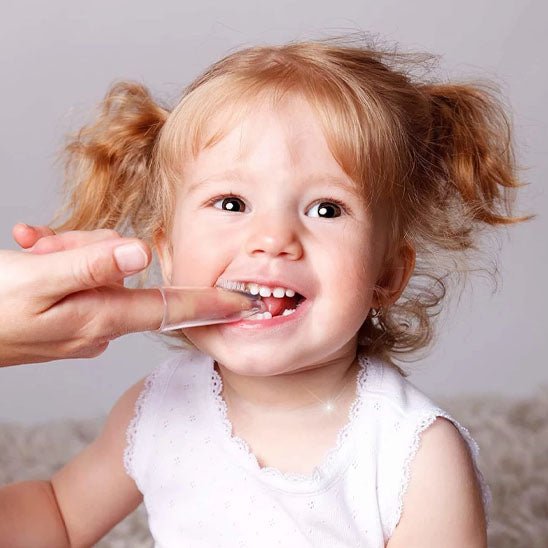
x=438 y=156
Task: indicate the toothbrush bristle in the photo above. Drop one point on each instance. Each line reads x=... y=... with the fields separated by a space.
x=231 y=285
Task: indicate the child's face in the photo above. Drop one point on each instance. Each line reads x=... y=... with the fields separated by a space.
x=277 y=230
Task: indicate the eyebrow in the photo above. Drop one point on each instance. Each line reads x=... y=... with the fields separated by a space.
x=229 y=175
x=236 y=175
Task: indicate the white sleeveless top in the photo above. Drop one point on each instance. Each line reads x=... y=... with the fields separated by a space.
x=202 y=487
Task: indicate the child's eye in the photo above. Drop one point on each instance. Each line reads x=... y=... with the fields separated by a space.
x=328 y=209
x=229 y=202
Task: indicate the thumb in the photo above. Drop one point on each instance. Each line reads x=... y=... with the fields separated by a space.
x=88 y=267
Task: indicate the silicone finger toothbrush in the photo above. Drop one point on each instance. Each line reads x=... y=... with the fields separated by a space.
x=196 y=306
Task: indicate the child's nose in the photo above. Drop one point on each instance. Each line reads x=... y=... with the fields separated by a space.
x=274 y=236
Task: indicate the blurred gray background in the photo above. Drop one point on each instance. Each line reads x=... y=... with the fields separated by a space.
x=58 y=58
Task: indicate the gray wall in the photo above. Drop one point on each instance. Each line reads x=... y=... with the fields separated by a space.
x=59 y=57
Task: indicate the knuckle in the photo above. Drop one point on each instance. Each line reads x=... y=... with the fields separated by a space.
x=94 y=351
x=82 y=324
x=86 y=352
x=47 y=244
x=40 y=244
x=88 y=273
x=87 y=345
x=90 y=319
x=93 y=315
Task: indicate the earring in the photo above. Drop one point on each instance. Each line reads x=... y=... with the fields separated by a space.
x=376 y=312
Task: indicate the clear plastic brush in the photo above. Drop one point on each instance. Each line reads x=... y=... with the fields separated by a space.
x=197 y=306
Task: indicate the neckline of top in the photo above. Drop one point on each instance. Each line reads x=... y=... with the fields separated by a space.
x=332 y=463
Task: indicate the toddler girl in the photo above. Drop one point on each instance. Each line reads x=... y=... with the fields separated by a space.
x=326 y=178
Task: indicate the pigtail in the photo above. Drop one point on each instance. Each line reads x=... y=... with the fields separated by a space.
x=109 y=179
x=463 y=178
x=471 y=152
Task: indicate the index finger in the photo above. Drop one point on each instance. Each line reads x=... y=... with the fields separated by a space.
x=133 y=310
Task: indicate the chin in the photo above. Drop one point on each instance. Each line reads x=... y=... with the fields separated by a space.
x=262 y=358
x=256 y=363
x=254 y=366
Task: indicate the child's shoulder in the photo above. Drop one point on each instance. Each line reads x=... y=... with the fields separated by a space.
x=385 y=387
x=406 y=413
x=413 y=438
x=402 y=413
x=442 y=470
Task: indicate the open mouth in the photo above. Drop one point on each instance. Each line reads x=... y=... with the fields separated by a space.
x=279 y=301
x=280 y=306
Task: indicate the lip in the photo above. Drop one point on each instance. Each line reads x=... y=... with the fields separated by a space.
x=278 y=322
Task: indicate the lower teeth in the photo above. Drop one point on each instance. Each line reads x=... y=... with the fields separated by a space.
x=263 y=316
x=268 y=315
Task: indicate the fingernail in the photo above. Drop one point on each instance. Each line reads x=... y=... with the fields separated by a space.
x=130 y=258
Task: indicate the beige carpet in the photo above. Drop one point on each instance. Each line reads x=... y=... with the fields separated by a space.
x=513 y=437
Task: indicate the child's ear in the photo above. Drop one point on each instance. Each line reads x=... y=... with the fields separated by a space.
x=395 y=278
x=163 y=247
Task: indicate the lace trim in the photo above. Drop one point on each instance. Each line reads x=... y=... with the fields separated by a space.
x=131 y=432
x=327 y=465
x=423 y=424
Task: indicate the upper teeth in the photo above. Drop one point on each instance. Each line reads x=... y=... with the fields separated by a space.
x=265 y=291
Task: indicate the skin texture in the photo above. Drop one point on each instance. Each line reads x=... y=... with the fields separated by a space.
x=288 y=172
x=442 y=505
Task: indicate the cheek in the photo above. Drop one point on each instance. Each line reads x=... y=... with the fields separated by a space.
x=356 y=275
x=199 y=255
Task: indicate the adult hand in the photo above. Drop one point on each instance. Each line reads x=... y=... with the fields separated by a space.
x=64 y=297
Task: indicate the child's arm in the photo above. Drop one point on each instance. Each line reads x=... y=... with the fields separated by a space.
x=83 y=500
x=442 y=505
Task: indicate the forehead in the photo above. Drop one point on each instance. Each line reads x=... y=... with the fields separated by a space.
x=290 y=128
x=285 y=139
x=358 y=139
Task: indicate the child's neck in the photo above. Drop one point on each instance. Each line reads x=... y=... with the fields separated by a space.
x=303 y=390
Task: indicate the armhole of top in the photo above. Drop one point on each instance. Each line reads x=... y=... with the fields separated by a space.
x=143 y=423
x=422 y=424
